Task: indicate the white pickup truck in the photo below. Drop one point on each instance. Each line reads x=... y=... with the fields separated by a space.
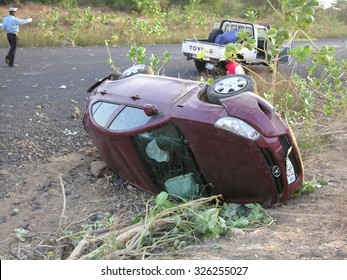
x=214 y=53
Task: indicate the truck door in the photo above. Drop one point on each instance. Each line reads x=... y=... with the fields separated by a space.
x=283 y=57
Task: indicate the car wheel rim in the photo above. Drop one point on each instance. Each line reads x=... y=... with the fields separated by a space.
x=230 y=85
x=134 y=70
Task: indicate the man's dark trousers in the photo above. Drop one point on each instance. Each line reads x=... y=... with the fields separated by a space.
x=13 y=41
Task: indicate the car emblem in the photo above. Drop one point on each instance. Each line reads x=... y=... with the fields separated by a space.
x=276 y=171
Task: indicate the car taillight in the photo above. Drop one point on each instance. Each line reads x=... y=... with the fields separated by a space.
x=238 y=127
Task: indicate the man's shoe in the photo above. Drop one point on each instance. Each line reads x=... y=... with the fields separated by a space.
x=7 y=61
x=13 y=65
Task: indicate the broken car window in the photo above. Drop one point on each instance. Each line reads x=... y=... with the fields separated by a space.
x=169 y=160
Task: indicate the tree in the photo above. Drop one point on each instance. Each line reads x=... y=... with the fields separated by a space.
x=340 y=7
x=262 y=6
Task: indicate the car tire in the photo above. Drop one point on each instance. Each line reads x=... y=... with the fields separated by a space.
x=136 y=69
x=200 y=65
x=215 y=32
x=229 y=86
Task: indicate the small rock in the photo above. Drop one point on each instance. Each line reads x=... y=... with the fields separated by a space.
x=44 y=186
x=14 y=212
x=238 y=232
x=16 y=202
x=256 y=233
x=48 y=242
x=341 y=253
x=119 y=182
x=77 y=196
x=68 y=192
x=35 y=207
x=97 y=168
x=96 y=217
x=2 y=220
x=89 y=153
x=131 y=188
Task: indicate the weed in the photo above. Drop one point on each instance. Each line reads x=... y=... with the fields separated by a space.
x=171 y=226
x=138 y=55
x=310 y=186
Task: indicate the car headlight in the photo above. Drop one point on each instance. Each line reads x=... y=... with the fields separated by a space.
x=238 y=127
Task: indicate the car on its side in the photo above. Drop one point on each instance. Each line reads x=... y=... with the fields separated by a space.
x=190 y=138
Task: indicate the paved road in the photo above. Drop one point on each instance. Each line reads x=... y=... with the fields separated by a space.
x=42 y=71
x=38 y=98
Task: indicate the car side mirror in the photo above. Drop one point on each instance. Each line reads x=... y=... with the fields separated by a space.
x=150 y=109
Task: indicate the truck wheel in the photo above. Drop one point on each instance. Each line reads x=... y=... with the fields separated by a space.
x=229 y=86
x=214 y=34
x=136 y=69
x=200 y=65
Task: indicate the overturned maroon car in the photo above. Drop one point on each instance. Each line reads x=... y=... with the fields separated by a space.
x=193 y=139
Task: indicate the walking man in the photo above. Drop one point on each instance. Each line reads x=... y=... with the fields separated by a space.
x=11 y=25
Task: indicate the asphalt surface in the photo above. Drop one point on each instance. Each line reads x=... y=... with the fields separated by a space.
x=38 y=99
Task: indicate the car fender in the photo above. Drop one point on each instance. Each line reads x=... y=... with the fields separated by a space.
x=256 y=111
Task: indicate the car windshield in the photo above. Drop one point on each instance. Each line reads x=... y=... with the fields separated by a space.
x=169 y=160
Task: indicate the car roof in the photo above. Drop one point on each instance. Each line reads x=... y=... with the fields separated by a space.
x=142 y=89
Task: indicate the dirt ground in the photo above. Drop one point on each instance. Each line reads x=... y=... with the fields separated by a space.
x=59 y=194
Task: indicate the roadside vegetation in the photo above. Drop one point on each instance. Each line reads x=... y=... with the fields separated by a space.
x=83 y=22
x=314 y=106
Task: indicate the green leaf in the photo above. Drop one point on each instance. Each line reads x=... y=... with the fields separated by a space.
x=132 y=52
x=135 y=219
x=314 y=3
x=337 y=82
x=161 y=198
x=21 y=234
x=241 y=223
x=167 y=56
x=201 y=54
x=335 y=72
x=176 y=243
x=328 y=111
x=154 y=61
x=216 y=246
x=167 y=205
x=322 y=182
x=271 y=33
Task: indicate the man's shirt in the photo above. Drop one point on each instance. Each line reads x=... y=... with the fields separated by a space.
x=11 y=23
